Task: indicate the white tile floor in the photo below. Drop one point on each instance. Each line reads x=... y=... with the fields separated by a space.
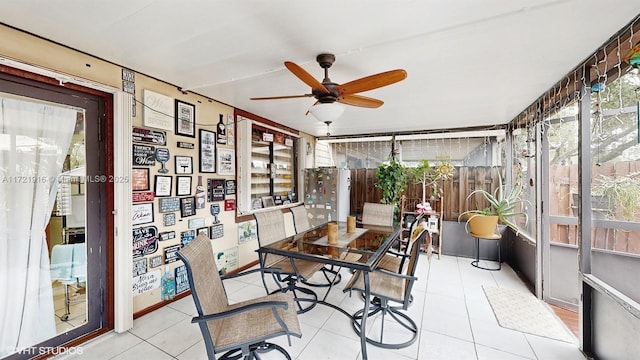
x=455 y=320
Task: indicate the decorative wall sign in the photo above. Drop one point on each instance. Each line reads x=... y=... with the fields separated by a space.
x=146 y=282
x=229 y=187
x=139 y=179
x=222 y=131
x=157 y=110
x=182 y=279
x=183 y=185
x=187 y=206
x=185 y=119
x=226 y=162
x=155 y=261
x=145 y=241
x=169 y=219
x=143 y=196
x=169 y=204
x=230 y=132
x=184 y=165
x=247 y=231
x=216 y=231
x=139 y=267
x=229 y=204
x=162 y=185
x=207 y=151
x=162 y=155
x=215 y=189
x=196 y=223
x=167 y=235
x=141 y=213
x=215 y=210
x=186 y=237
x=227 y=260
x=186 y=145
x=144 y=155
x=147 y=136
x=203 y=230
x=170 y=254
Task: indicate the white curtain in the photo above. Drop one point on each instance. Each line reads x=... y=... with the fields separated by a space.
x=34 y=140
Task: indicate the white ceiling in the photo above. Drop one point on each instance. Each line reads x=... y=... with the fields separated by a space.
x=469 y=62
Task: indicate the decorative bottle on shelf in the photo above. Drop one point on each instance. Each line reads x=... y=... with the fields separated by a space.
x=200 y=195
x=222 y=132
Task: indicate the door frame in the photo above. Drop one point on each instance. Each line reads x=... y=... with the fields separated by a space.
x=118 y=305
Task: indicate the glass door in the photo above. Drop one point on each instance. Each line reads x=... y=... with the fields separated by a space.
x=52 y=221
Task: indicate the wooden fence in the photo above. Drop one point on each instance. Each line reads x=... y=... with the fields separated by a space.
x=563 y=181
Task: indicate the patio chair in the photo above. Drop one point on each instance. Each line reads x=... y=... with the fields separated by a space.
x=377 y=214
x=270 y=228
x=301 y=224
x=390 y=287
x=69 y=267
x=239 y=330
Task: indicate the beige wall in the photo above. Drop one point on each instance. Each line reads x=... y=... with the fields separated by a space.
x=25 y=48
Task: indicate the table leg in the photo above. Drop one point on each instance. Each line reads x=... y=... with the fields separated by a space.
x=363 y=324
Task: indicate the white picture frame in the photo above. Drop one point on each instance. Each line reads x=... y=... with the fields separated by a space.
x=226 y=162
x=158 y=111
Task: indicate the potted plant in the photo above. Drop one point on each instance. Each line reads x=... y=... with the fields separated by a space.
x=392 y=180
x=430 y=176
x=504 y=203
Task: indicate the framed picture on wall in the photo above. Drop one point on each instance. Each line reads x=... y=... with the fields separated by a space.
x=207 y=151
x=226 y=162
x=139 y=179
x=184 y=165
x=185 y=119
x=183 y=185
x=162 y=186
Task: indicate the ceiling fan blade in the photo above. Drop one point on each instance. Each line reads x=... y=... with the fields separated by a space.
x=362 y=101
x=282 y=97
x=303 y=75
x=371 y=82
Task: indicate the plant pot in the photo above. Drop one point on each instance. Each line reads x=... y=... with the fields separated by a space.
x=483 y=225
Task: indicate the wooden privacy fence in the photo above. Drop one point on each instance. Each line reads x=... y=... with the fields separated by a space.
x=455 y=190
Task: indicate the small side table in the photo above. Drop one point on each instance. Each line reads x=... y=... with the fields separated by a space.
x=493 y=237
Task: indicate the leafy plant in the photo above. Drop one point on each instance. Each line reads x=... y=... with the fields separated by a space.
x=505 y=202
x=392 y=180
x=430 y=176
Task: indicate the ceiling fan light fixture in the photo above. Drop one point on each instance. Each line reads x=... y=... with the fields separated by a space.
x=327 y=111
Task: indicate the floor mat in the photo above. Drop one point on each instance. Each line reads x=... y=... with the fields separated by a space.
x=521 y=311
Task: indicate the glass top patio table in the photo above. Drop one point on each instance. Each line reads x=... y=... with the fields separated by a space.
x=360 y=250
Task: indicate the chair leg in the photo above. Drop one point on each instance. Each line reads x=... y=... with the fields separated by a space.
x=401 y=318
x=254 y=350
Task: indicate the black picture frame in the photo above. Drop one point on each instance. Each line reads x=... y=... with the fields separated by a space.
x=162 y=185
x=184 y=164
x=207 y=151
x=183 y=185
x=185 y=119
x=187 y=206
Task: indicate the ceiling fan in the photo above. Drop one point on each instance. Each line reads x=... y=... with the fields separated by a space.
x=327 y=92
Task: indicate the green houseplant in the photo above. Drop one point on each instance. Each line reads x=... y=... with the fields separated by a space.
x=504 y=203
x=392 y=180
x=430 y=176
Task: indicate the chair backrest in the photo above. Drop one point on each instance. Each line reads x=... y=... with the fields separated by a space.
x=62 y=262
x=270 y=226
x=207 y=290
x=378 y=214
x=415 y=241
x=300 y=218
x=79 y=269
